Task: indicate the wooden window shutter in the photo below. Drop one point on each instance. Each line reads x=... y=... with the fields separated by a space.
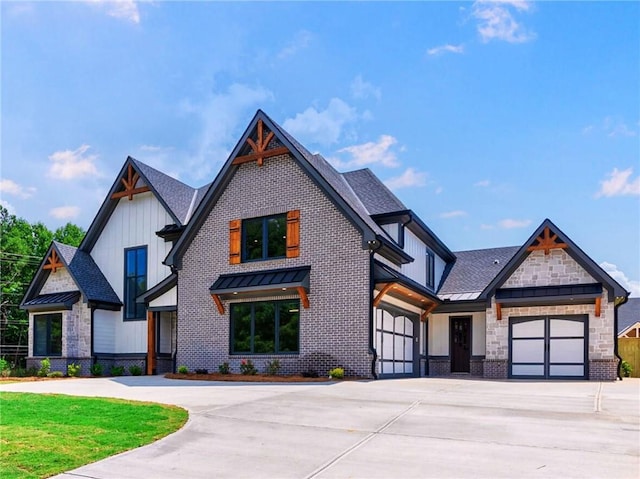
x=293 y=234
x=234 y=241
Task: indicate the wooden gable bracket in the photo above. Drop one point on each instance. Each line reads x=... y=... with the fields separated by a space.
x=303 y=297
x=598 y=306
x=427 y=311
x=499 y=311
x=218 y=301
x=259 y=148
x=130 y=185
x=381 y=293
x=53 y=262
x=546 y=242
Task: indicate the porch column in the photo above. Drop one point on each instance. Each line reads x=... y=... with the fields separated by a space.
x=151 y=342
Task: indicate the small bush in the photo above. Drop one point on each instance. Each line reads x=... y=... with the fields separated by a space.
x=247 y=368
x=273 y=367
x=45 y=367
x=224 y=368
x=19 y=373
x=96 y=369
x=55 y=374
x=73 y=370
x=310 y=373
x=183 y=369
x=135 y=370
x=5 y=368
x=116 y=371
x=336 y=373
x=201 y=371
x=31 y=372
x=626 y=369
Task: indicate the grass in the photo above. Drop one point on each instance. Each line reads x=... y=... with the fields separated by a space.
x=45 y=434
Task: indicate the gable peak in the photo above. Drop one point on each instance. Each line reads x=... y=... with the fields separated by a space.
x=259 y=143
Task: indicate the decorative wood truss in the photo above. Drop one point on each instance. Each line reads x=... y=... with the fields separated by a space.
x=129 y=183
x=53 y=262
x=546 y=242
x=398 y=290
x=259 y=148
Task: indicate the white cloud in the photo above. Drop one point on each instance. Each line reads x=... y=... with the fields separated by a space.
x=221 y=114
x=439 y=50
x=496 y=20
x=485 y=226
x=511 y=223
x=10 y=208
x=65 y=212
x=162 y=158
x=325 y=126
x=379 y=152
x=615 y=127
x=301 y=41
x=482 y=184
x=361 y=89
x=619 y=183
x=122 y=9
x=633 y=286
x=453 y=214
x=408 y=179
x=68 y=164
x=10 y=187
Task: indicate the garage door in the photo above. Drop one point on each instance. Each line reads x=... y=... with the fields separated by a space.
x=548 y=347
x=395 y=343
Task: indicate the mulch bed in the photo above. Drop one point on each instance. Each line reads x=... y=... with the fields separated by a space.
x=257 y=378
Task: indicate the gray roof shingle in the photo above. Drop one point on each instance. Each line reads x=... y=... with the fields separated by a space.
x=628 y=314
x=373 y=193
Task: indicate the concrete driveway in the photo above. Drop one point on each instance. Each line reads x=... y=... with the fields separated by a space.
x=379 y=429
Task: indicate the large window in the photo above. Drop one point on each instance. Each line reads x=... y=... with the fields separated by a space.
x=269 y=327
x=264 y=238
x=430 y=269
x=135 y=281
x=47 y=334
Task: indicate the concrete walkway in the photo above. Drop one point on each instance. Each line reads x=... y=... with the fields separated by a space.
x=407 y=428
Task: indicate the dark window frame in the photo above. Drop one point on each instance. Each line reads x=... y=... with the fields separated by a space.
x=265 y=238
x=49 y=350
x=139 y=313
x=430 y=266
x=276 y=320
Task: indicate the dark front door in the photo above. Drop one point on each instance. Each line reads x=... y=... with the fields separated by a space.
x=460 y=345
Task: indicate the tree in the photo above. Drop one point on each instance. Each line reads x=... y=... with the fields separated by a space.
x=22 y=249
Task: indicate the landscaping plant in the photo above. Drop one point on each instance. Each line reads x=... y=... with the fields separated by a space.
x=273 y=367
x=135 y=370
x=5 y=369
x=73 y=370
x=183 y=369
x=336 y=373
x=96 y=369
x=224 y=368
x=45 y=367
x=247 y=367
x=627 y=369
x=116 y=370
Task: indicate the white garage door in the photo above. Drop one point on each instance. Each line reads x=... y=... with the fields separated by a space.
x=548 y=347
x=394 y=342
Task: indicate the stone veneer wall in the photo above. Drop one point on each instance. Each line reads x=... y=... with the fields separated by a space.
x=540 y=270
x=334 y=331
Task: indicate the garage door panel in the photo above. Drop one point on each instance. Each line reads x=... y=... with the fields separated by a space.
x=387 y=321
x=528 y=329
x=566 y=350
x=395 y=342
x=566 y=370
x=528 y=370
x=564 y=328
x=387 y=367
x=387 y=345
x=528 y=351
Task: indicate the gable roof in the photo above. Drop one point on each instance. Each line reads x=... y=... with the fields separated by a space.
x=374 y=194
x=85 y=273
x=177 y=198
x=613 y=287
x=628 y=314
x=332 y=183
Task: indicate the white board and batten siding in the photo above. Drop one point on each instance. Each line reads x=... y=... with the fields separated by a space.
x=170 y=298
x=439 y=336
x=132 y=224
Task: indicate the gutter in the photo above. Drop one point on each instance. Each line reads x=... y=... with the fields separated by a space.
x=373 y=247
x=617 y=304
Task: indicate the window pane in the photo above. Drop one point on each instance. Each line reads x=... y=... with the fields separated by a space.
x=141 y=262
x=277 y=240
x=241 y=328
x=55 y=341
x=289 y=327
x=264 y=336
x=40 y=335
x=131 y=262
x=252 y=238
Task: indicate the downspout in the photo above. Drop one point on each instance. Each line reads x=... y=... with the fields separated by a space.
x=373 y=247
x=92 y=353
x=619 y=301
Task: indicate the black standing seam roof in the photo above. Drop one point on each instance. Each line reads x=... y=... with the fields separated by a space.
x=63 y=300
x=578 y=290
x=290 y=277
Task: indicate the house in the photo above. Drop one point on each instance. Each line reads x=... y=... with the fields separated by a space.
x=629 y=334
x=285 y=258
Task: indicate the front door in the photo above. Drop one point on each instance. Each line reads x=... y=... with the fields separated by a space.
x=460 y=345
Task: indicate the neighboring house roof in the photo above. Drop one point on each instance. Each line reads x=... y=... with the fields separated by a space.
x=85 y=273
x=628 y=314
x=472 y=271
x=373 y=193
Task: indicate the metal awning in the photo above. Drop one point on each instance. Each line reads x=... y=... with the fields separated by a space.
x=566 y=293
x=52 y=301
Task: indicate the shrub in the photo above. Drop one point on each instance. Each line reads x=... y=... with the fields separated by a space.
x=5 y=368
x=45 y=367
x=19 y=373
x=55 y=374
x=116 y=370
x=31 y=372
x=183 y=369
x=336 y=373
x=135 y=370
x=310 y=373
x=626 y=369
x=224 y=368
x=273 y=367
x=247 y=368
x=201 y=371
x=73 y=370
x=96 y=369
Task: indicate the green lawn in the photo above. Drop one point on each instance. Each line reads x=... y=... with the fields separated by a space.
x=45 y=434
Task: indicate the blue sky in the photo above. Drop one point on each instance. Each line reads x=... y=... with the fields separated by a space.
x=484 y=117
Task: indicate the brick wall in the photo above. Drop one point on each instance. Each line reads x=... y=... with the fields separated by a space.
x=334 y=330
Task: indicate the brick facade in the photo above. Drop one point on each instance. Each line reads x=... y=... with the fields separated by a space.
x=334 y=331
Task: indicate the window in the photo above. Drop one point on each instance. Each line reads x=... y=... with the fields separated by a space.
x=264 y=238
x=135 y=281
x=47 y=334
x=430 y=262
x=268 y=327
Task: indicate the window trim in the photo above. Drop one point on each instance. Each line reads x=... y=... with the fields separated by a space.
x=252 y=329
x=265 y=238
x=49 y=317
x=124 y=284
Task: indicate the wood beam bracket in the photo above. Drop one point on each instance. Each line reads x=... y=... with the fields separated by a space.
x=598 y=307
x=218 y=301
x=380 y=295
x=499 y=311
x=427 y=311
x=303 y=297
